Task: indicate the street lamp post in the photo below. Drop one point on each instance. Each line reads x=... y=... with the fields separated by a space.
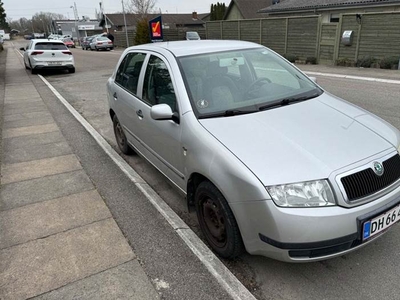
x=44 y=28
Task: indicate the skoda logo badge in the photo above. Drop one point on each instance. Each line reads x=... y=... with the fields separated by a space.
x=378 y=168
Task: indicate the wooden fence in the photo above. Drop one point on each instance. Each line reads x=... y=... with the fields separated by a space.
x=376 y=35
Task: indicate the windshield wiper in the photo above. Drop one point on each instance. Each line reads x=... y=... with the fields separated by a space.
x=235 y=112
x=287 y=101
x=229 y=113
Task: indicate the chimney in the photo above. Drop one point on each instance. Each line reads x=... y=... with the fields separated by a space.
x=194 y=15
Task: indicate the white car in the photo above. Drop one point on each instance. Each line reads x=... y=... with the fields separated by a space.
x=42 y=54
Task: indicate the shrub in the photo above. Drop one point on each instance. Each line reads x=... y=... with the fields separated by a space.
x=389 y=62
x=366 y=61
x=290 y=57
x=345 y=62
x=142 y=32
x=311 y=60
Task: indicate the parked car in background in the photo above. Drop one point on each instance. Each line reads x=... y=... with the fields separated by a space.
x=69 y=43
x=192 y=36
x=44 y=54
x=271 y=162
x=85 y=43
x=101 y=43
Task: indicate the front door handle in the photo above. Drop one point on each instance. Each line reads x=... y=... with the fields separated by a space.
x=139 y=113
x=115 y=96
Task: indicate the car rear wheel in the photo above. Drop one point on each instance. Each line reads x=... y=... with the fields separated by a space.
x=120 y=137
x=217 y=221
x=72 y=70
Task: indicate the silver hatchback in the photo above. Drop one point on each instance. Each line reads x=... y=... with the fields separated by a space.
x=272 y=163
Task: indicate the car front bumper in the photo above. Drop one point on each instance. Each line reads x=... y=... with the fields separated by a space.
x=306 y=234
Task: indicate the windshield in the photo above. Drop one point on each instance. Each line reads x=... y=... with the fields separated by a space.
x=243 y=81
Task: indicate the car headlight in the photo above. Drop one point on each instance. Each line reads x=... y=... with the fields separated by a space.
x=304 y=194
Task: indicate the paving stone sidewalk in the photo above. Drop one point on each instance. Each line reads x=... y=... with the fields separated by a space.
x=58 y=239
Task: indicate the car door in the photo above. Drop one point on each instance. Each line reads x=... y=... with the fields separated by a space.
x=124 y=92
x=161 y=140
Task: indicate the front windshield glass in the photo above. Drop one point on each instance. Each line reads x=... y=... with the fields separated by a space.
x=242 y=81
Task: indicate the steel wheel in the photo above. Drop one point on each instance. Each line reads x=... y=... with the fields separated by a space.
x=214 y=221
x=120 y=137
x=217 y=221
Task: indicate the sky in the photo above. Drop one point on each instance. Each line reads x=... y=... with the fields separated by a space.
x=16 y=9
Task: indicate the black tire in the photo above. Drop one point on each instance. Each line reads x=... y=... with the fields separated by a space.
x=120 y=137
x=91 y=49
x=71 y=70
x=97 y=49
x=217 y=221
x=33 y=71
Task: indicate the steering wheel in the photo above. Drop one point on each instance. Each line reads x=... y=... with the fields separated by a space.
x=255 y=85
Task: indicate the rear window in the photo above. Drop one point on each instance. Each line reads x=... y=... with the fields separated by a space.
x=102 y=38
x=50 y=46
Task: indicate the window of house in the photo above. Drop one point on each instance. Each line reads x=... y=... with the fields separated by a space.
x=335 y=18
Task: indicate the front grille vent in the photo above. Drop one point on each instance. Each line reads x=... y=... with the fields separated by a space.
x=366 y=182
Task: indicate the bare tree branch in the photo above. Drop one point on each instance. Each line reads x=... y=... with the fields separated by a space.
x=140 y=7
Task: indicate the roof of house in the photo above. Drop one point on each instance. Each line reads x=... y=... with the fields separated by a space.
x=248 y=8
x=296 y=5
x=132 y=19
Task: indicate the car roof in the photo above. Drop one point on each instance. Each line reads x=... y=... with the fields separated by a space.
x=184 y=48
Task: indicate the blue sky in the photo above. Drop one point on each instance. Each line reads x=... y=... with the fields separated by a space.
x=16 y=9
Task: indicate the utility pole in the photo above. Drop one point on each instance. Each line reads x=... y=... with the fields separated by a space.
x=76 y=17
x=126 y=28
x=103 y=14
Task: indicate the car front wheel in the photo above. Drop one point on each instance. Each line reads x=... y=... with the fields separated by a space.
x=217 y=221
x=120 y=137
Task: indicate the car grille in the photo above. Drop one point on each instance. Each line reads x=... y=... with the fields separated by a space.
x=366 y=182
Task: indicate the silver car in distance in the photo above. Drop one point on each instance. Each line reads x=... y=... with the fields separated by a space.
x=272 y=163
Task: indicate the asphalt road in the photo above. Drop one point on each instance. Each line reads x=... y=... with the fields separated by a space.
x=369 y=273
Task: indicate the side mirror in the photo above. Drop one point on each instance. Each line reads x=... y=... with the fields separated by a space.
x=313 y=79
x=162 y=112
x=22 y=48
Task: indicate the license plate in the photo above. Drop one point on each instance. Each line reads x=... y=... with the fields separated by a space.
x=381 y=223
x=54 y=63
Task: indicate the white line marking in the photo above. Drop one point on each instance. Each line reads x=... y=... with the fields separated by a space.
x=354 y=77
x=221 y=273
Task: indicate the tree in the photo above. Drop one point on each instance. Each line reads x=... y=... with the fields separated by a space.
x=217 y=11
x=140 y=7
x=142 y=32
x=3 y=16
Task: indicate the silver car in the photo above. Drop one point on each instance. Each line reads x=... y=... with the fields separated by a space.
x=272 y=163
x=101 y=43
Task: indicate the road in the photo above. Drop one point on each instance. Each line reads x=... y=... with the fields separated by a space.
x=369 y=273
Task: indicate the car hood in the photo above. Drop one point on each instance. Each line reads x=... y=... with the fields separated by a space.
x=303 y=141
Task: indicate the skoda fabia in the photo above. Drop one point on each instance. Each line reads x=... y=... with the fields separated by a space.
x=271 y=162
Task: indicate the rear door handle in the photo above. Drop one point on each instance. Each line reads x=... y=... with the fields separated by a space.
x=115 y=96
x=139 y=113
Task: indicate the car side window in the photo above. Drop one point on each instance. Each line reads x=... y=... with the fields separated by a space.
x=129 y=70
x=157 y=86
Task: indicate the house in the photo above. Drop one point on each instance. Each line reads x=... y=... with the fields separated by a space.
x=246 y=9
x=191 y=21
x=330 y=10
x=76 y=29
